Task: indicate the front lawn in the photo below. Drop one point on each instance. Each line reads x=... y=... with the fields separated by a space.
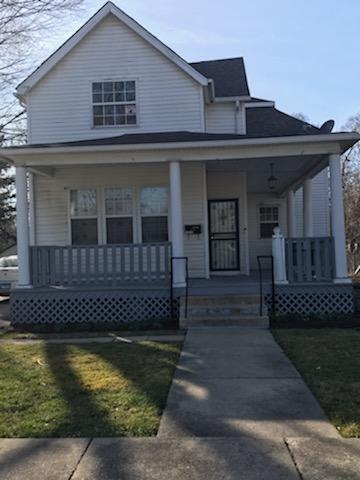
x=329 y=361
x=86 y=390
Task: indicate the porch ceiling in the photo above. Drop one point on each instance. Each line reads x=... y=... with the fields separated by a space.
x=288 y=170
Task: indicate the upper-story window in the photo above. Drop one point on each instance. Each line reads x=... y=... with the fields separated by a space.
x=114 y=103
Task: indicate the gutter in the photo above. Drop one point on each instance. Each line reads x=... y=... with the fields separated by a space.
x=351 y=137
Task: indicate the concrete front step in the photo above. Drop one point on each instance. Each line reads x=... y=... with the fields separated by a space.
x=222 y=310
x=223 y=300
x=222 y=321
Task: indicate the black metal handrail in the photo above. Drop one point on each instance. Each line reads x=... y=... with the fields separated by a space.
x=186 y=260
x=273 y=298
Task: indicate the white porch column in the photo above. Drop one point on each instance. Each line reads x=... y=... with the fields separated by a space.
x=291 y=213
x=22 y=227
x=337 y=219
x=278 y=252
x=176 y=218
x=308 y=209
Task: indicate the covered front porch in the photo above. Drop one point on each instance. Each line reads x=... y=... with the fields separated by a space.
x=207 y=200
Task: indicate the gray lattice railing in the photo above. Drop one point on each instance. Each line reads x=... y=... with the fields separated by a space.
x=100 y=264
x=309 y=259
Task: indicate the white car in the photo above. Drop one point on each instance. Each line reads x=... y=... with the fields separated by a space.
x=8 y=273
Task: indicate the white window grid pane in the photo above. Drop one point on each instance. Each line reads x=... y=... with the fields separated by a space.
x=83 y=203
x=118 y=201
x=154 y=201
x=107 y=95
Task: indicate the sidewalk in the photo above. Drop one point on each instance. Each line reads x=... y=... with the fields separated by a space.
x=237 y=410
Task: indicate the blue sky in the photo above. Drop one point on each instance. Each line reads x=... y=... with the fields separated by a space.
x=303 y=54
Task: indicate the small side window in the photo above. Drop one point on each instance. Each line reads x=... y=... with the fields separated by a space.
x=268 y=219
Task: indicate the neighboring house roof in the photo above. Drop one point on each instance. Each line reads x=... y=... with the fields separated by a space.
x=261 y=123
x=108 y=8
x=229 y=76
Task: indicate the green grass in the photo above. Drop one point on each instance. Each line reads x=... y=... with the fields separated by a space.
x=115 y=389
x=13 y=334
x=329 y=361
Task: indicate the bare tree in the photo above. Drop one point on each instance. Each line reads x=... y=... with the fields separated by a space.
x=23 y=24
x=351 y=184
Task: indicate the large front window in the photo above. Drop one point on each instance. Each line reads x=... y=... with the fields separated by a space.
x=119 y=215
x=114 y=103
x=83 y=217
x=154 y=211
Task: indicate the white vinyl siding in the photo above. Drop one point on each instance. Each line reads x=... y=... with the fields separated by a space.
x=60 y=105
x=52 y=193
x=223 y=118
x=321 y=210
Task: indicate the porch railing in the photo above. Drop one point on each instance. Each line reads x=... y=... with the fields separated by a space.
x=309 y=259
x=100 y=264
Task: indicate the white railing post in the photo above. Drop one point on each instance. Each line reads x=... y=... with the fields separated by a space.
x=22 y=228
x=337 y=220
x=176 y=219
x=278 y=252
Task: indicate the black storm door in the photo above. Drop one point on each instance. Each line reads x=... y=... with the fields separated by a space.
x=224 y=235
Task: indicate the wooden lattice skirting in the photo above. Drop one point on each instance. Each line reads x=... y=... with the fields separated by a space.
x=77 y=306
x=306 y=300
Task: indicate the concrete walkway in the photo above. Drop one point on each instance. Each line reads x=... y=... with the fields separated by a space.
x=237 y=410
x=236 y=381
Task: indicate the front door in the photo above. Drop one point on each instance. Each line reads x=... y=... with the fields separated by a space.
x=224 y=235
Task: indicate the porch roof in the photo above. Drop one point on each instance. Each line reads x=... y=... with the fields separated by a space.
x=261 y=123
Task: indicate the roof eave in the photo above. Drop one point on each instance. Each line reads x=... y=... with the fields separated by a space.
x=345 y=141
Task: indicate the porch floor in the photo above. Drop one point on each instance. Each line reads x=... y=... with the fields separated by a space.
x=230 y=284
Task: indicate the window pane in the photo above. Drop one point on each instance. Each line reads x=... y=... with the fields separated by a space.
x=120 y=109
x=109 y=120
x=84 y=232
x=131 y=120
x=130 y=109
x=267 y=229
x=108 y=86
x=98 y=110
x=119 y=97
x=97 y=87
x=130 y=85
x=109 y=109
x=119 y=230
x=154 y=201
x=154 y=229
x=98 y=121
x=119 y=86
x=108 y=97
x=97 y=97
x=130 y=96
x=118 y=201
x=120 y=120
x=83 y=203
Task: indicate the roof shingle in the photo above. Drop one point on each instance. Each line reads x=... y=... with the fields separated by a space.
x=229 y=76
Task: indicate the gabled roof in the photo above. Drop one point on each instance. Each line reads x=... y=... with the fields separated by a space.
x=108 y=8
x=228 y=74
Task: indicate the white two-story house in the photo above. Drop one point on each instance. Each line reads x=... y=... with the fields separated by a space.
x=137 y=159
